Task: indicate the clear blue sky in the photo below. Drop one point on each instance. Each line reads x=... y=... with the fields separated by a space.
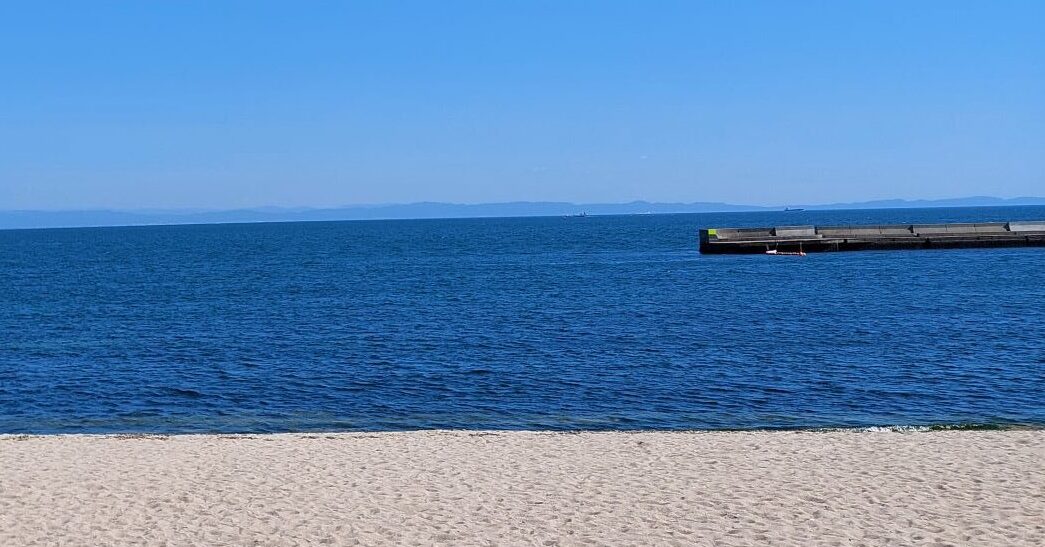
x=230 y=104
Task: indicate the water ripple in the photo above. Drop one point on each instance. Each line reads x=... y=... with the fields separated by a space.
x=562 y=324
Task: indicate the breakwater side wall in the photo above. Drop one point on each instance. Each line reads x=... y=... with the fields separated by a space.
x=872 y=237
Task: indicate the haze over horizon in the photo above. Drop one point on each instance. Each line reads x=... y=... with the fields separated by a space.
x=127 y=106
x=967 y=201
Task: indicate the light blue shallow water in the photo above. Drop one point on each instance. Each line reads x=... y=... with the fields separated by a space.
x=535 y=323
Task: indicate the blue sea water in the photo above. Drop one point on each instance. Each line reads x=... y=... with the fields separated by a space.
x=524 y=323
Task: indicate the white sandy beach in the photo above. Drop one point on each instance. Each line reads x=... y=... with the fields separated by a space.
x=523 y=488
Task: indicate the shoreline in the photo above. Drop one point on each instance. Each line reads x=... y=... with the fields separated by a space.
x=970 y=426
x=975 y=487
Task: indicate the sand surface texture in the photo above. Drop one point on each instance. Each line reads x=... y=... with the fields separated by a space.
x=526 y=488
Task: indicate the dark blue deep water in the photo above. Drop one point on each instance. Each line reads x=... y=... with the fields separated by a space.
x=533 y=323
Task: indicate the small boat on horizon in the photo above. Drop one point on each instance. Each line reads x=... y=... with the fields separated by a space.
x=791 y=210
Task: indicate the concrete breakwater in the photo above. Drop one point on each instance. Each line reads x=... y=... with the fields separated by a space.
x=871 y=237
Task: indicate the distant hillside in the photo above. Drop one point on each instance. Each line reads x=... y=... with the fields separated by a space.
x=976 y=201
x=58 y=219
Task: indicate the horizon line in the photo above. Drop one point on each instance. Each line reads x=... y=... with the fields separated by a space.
x=99 y=218
x=942 y=202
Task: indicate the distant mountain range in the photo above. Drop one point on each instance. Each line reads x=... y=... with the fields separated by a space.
x=60 y=219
